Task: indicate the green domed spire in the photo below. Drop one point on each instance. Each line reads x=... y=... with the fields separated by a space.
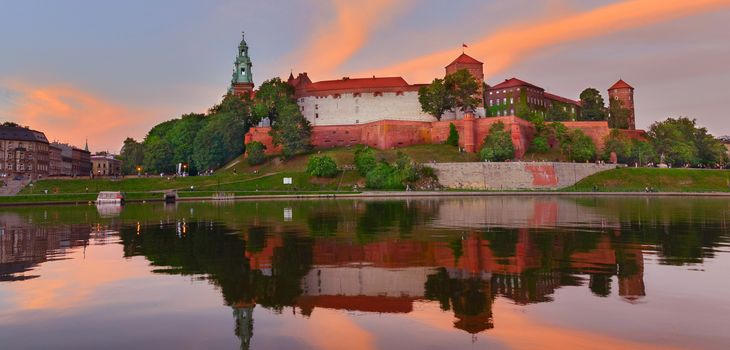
x=242 y=66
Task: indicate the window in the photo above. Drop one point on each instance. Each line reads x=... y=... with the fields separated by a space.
x=399 y=93
x=511 y=100
x=378 y=94
x=336 y=96
x=490 y=92
x=357 y=94
x=316 y=115
x=357 y=109
x=504 y=101
x=316 y=106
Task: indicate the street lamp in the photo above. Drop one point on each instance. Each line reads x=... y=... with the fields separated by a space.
x=139 y=170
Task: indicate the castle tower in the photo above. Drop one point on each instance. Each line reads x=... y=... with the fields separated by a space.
x=242 y=81
x=476 y=69
x=625 y=93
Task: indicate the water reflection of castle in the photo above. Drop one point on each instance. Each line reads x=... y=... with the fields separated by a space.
x=388 y=276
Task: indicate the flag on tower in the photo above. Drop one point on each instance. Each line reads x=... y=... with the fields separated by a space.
x=464 y=45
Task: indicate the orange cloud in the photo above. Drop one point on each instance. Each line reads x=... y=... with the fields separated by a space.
x=509 y=45
x=338 y=39
x=68 y=114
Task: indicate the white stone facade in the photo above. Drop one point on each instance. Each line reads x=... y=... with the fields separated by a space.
x=361 y=108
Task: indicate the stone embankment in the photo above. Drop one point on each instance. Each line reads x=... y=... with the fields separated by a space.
x=514 y=175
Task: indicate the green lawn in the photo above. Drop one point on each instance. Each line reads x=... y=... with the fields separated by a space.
x=237 y=176
x=662 y=180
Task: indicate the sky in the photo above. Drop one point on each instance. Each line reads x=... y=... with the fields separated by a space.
x=107 y=70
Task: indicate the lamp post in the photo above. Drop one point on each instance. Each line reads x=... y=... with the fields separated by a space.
x=139 y=171
x=185 y=169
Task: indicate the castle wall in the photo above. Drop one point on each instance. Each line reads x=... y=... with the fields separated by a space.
x=366 y=107
x=385 y=134
x=597 y=131
x=514 y=175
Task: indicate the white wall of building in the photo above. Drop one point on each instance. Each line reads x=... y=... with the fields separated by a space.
x=365 y=108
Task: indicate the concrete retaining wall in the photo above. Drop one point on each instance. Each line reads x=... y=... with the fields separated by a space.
x=514 y=175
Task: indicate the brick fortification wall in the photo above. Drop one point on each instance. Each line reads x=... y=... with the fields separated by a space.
x=385 y=134
x=514 y=175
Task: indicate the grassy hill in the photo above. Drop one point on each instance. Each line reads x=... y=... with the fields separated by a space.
x=237 y=176
x=662 y=180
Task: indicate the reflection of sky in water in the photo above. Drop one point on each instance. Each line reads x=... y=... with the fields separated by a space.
x=371 y=275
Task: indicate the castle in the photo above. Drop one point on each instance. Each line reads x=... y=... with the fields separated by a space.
x=384 y=112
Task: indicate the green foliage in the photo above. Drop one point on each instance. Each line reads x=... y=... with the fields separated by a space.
x=273 y=98
x=219 y=141
x=642 y=152
x=593 y=106
x=383 y=176
x=291 y=131
x=181 y=137
x=435 y=99
x=131 y=155
x=578 y=146
x=157 y=155
x=322 y=166
x=365 y=160
x=255 y=152
x=498 y=145
x=540 y=144
x=11 y=124
x=618 y=116
x=617 y=143
x=453 y=138
x=559 y=112
x=462 y=87
x=682 y=142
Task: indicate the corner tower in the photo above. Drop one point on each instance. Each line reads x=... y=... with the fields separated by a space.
x=624 y=92
x=242 y=81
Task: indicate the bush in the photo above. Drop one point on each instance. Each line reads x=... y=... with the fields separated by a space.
x=255 y=152
x=323 y=166
x=453 y=138
x=498 y=145
x=365 y=160
x=540 y=144
x=384 y=176
x=578 y=146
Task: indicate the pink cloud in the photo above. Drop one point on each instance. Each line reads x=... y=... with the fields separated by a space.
x=69 y=114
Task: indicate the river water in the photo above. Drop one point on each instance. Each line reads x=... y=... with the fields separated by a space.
x=435 y=273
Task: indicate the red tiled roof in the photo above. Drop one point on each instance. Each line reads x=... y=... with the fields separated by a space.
x=514 y=82
x=561 y=99
x=620 y=84
x=357 y=83
x=464 y=59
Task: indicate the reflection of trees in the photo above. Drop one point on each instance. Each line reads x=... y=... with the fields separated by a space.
x=469 y=297
x=383 y=216
x=213 y=251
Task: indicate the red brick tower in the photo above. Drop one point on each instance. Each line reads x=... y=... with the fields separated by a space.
x=625 y=93
x=476 y=69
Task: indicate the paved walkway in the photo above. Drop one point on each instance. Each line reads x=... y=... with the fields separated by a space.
x=12 y=187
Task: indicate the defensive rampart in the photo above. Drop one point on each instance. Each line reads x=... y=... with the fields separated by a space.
x=514 y=175
x=385 y=134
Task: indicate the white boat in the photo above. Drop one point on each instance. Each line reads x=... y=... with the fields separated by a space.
x=110 y=197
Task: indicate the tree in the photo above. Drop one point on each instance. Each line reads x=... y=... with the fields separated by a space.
x=540 y=144
x=593 y=107
x=158 y=155
x=291 y=131
x=255 y=153
x=131 y=155
x=578 y=146
x=435 y=99
x=238 y=106
x=620 y=144
x=498 y=145
x=322 y=166
x=11 y=124
x=273 y=96
x=618 y=116
x=682 y=142
x=462 y=87
x=210 y=149
x=453 y=138
x=181 y=137
x=365 y=160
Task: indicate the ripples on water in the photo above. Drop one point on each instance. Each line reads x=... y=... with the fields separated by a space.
x=443 y=273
